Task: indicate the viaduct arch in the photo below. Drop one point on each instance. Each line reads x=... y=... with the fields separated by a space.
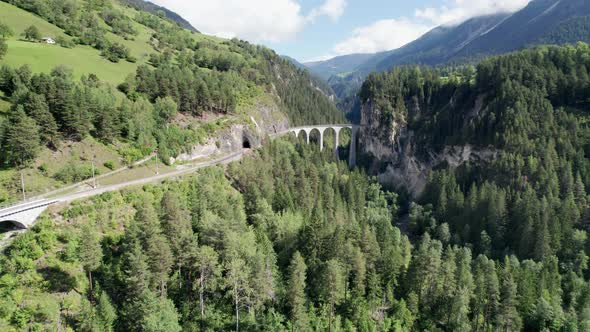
x=337 y=128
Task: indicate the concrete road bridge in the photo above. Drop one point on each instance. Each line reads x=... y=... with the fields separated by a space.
x=23 y=215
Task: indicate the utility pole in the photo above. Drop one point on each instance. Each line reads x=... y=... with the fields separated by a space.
x=157 y=170
x=22 y=178
x=93 y=169
x=22 y=183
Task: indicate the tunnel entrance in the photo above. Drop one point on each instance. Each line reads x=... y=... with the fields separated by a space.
x=246 y=143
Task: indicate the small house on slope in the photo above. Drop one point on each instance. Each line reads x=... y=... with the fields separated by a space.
x=48 y=40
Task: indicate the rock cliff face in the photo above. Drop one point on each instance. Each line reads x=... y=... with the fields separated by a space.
x=263 y=120
x=393 y=155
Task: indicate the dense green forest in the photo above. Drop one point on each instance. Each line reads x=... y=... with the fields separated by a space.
x=531 y=109
x=288 y=239
x=530 y=200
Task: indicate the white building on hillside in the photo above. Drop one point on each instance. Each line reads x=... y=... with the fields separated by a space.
x=48 y=40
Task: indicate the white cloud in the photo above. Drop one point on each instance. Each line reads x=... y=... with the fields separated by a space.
x=331 y=8
x=390 y=34
x=458 y=11
x=381 y=36
x=254 y=20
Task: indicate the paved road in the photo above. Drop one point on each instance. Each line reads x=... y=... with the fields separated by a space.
x=100 y=190
x=88 y=182
x=151 y=179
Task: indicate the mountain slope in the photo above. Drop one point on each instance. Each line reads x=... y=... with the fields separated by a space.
x=553 y=21
x=155 y=9
x=294 y=62
x=519 y=128
x=541 y=22
x=439 y=45
x=338 y=65
x=531 y=25
x=125 y=82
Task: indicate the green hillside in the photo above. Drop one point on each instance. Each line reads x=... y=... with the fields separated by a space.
x=82 y=59
x=132 y=82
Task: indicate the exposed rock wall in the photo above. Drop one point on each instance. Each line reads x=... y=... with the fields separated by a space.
x=263 y=120
x=392 y=150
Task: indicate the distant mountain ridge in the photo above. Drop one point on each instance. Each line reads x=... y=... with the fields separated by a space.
x=540 y=22
x=337 y=65
x=530 y=26
x=154 y=9
x=439 y=45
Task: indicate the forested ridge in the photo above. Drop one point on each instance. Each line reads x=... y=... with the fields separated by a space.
x=238 y=64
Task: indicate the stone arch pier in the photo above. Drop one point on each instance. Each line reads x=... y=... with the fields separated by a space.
x=336 y=128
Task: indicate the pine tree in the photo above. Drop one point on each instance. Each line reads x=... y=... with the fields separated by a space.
x=21 y=139
x=106 y=313
x=156 y=246
x=580 y=192
x=543 y=240
x=176 y=225
x=487 y=295
x=161 y=259
x=334 y=287
x=37 y=108
x=162 y=318
x=90 y=253
x=207 y=264
x=508 y=317
x=3 y=48
x=139 y=300
x=264 y=274
x=174 y=216
x=296 y=293
x=237 y=276
x=166 y=109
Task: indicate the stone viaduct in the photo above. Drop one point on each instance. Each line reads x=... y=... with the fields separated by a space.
x=321 y=129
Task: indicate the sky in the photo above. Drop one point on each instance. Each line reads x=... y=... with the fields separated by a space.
x=312 y=30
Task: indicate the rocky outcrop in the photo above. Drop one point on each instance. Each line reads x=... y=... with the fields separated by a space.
x=263 y=120
x=393 y=152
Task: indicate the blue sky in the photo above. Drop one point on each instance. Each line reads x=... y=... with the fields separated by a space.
x=319 y=29
x=318 y=39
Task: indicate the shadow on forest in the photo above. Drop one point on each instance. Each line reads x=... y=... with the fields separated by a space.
x=58 y=279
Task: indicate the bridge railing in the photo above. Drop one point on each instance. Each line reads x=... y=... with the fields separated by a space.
x=4 y=213
x=5 y=206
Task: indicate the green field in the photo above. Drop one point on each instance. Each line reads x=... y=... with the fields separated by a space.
x=82 y=59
